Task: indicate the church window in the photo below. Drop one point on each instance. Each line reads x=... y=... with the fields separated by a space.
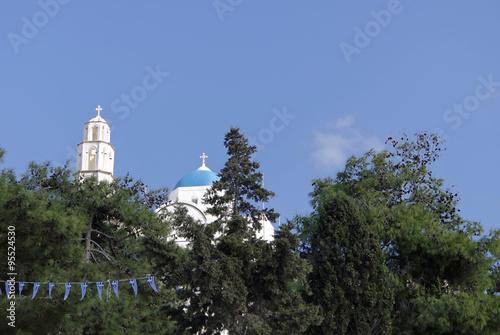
x=92 y=155
x=94 y=133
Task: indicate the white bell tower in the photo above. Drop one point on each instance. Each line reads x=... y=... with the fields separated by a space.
x=95 y=153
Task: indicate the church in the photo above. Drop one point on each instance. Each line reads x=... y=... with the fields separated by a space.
x=95 y=157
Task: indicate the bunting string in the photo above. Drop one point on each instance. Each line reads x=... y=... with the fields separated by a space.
x=114 y=284
x=73 y=283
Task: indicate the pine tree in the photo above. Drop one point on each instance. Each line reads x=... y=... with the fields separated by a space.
x=232 y=280
x=239 y=188
x=50 y=214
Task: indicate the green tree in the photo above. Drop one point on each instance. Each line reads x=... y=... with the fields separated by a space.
x=55 y=219
x=441 y=265
x=349 y=279
x=231 y=279
x=46 y=249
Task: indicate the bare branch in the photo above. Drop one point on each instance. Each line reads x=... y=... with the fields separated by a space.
x=98 y=246
x=103 y=234
x=102 y=253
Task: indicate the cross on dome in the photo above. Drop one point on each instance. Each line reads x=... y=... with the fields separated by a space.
x=203 y=157
x=98 y=109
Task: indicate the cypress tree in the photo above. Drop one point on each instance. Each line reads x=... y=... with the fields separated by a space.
x=349 y=279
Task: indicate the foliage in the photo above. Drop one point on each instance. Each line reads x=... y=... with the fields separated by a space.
x=349 y=279
x=240 y=188
x=230 y=279
x=384 y=249
x=441 y=265
x=55 y=220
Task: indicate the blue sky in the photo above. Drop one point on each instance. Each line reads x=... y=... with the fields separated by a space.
x=310 y=82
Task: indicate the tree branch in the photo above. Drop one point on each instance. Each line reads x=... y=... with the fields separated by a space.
x=88 y=239
x=102 y=253
x=99 y=246
x=103 y=234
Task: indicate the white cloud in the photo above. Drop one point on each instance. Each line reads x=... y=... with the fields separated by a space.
x=333 y=148
x=345 y=121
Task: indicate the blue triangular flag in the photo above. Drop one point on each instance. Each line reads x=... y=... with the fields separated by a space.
x=7 y=289
x=36 y=286
x=114 y=283
x=133 y=283
x=83 y=287
x=67 y=287
x=151 y=282
x=99 y=285
x=21 y=286
x=51 y=286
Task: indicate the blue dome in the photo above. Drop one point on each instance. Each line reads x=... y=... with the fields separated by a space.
x=197 y=178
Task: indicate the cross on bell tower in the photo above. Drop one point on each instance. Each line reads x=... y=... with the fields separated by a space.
x=98 y=109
